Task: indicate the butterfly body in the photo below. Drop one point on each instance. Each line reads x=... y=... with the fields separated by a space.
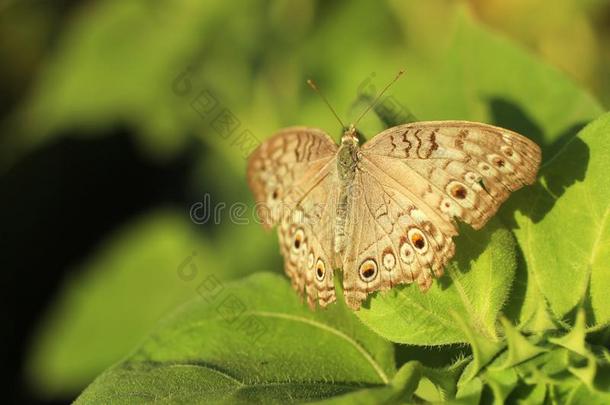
x=384 y=212
x=347 y=161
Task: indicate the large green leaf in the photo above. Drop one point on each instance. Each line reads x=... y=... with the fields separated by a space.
x=475 y=288
x=565 y=232
x=249 y=341
x=140 y=273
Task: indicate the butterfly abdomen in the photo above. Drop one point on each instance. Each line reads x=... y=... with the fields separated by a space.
x=343 y=208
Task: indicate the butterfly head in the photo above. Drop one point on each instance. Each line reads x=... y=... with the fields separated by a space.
x=350 y=136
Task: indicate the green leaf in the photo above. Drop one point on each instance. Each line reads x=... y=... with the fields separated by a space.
x=583 y=363
x=581 y=395
x=402 y=386
x=412 y=380
x=520 y=348
x=549 y=368
x=484 y=351
x=574 y=340
x=112 y=301
x=250 y=341
x=565 y=235
x=445 y=379
x=468 y=393
x=528 y=394
x=149 y=266
x=501 y=382
x=475 y=287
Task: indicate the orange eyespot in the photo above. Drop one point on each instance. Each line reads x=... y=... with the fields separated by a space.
x=368 y=270
x=418 y=241
x=458 y=191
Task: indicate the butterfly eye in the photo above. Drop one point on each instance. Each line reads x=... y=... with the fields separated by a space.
x=510 y=153
x=448 y=206
x=368 y=270
x=389 y=261
x=418 y=240
x=406 y=252
x=320 y=270
x=299 y=236
x=471 y=177
x=499 y=163
x=275 y=194
x=485 y=168
x=457 y=190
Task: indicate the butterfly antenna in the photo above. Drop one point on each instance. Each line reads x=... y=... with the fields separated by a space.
x=379 y=96
x=315 y=88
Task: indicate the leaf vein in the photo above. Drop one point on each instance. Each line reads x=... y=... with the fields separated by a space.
x=335 y=332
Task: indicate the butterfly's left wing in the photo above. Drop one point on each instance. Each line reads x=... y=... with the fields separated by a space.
x=292 y=176
x=412 y=182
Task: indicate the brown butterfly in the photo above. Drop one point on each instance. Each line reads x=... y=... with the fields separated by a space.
x=383 y=212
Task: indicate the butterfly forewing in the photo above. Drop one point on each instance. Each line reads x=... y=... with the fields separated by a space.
x=459 y=169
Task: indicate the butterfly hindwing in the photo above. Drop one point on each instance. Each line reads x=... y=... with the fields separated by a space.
x=393 y=240
x=305 y=235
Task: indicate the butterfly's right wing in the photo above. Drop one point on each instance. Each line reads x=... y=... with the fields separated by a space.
x=293 y=178
x=416 y=180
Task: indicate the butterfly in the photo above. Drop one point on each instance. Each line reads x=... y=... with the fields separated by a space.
x=383 y=212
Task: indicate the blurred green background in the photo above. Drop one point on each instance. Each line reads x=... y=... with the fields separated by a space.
x=106 y=144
